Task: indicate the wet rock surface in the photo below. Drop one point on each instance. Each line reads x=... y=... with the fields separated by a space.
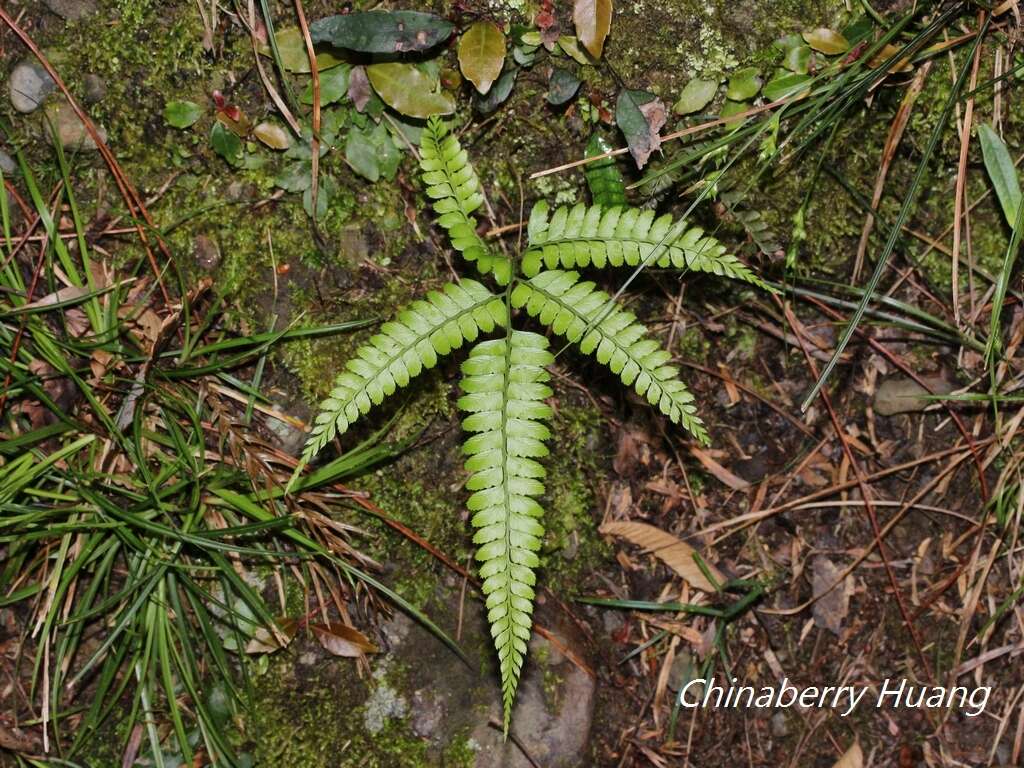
x=554 y=706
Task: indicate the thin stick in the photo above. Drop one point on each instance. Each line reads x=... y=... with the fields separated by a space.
x=670 y=136
x=315 y=142
x=961 y=178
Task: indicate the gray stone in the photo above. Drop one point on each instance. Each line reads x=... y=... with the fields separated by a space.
x=70 y=130
x=29 y=85
x=72 y=10
x=779 y=728
x=207 y=255
x=94 y=88
x=290 y=438
x=7 y=164
x=904 y=395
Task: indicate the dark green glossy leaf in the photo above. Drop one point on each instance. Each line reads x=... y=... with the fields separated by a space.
x=562 y=86
x=499 y=93
x=382 y=31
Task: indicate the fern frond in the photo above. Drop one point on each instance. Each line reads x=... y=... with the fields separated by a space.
x=588 y=317
x=410 y=343
x=504 y=386
x=453 y=185
x=583 y=235
x=607 y=187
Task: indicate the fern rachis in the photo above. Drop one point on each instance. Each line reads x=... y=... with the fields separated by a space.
x=504 y=380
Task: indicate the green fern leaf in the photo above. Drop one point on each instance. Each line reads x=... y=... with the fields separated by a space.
x=581 y=235
x=455 y=189
x=589 y=318
x=504 y=391
x=607 y=187
x=405 y=347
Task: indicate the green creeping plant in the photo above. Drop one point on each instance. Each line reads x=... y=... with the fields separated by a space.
x=504 y=379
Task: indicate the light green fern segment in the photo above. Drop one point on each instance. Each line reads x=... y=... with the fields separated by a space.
x=410 y=343
x=504 y=390
x=583 y=235
x=589 y=318
x=455 y=189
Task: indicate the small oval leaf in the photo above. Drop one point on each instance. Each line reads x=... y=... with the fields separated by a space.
x=182 y=114
x=827 y=41
x=273 y=135
x=744 y=84
x=410 y=90
x=696 y=95
x=482 y=54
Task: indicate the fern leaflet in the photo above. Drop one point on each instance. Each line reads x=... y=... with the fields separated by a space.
x=607 y=188
x=406 y=346
x=453 y=185
x=589 y=318
x=581 y=235
x=504 y=390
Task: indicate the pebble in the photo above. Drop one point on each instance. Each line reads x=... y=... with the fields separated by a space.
x=29 y=85
x=72 y=10
x=95 y=89
x=70 y=130
x=7 y=164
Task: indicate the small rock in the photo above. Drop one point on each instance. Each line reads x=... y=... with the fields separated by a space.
x=94 y=88
x=904 y=395
x=206 y=252
x=30 y=84
x=70 y=130
x=290 y=438
x=779 y=728
x=682 y=671
x=72 y=10
x=7 y=164
x=830 y=608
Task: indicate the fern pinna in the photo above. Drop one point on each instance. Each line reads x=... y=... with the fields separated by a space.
x=504 y=379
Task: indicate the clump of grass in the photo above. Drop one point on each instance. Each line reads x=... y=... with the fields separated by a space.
x=139 y=510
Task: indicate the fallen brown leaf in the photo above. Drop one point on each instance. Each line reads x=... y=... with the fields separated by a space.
x=677 y=555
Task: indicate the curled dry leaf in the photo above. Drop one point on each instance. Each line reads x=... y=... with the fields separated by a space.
x=342 y=640
x=852 y=758
x=719 y=472
x=482 y=54
x=640 y=116
x=830 y=608
x=265 y=641
x=677 y=555
x=593 y=20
